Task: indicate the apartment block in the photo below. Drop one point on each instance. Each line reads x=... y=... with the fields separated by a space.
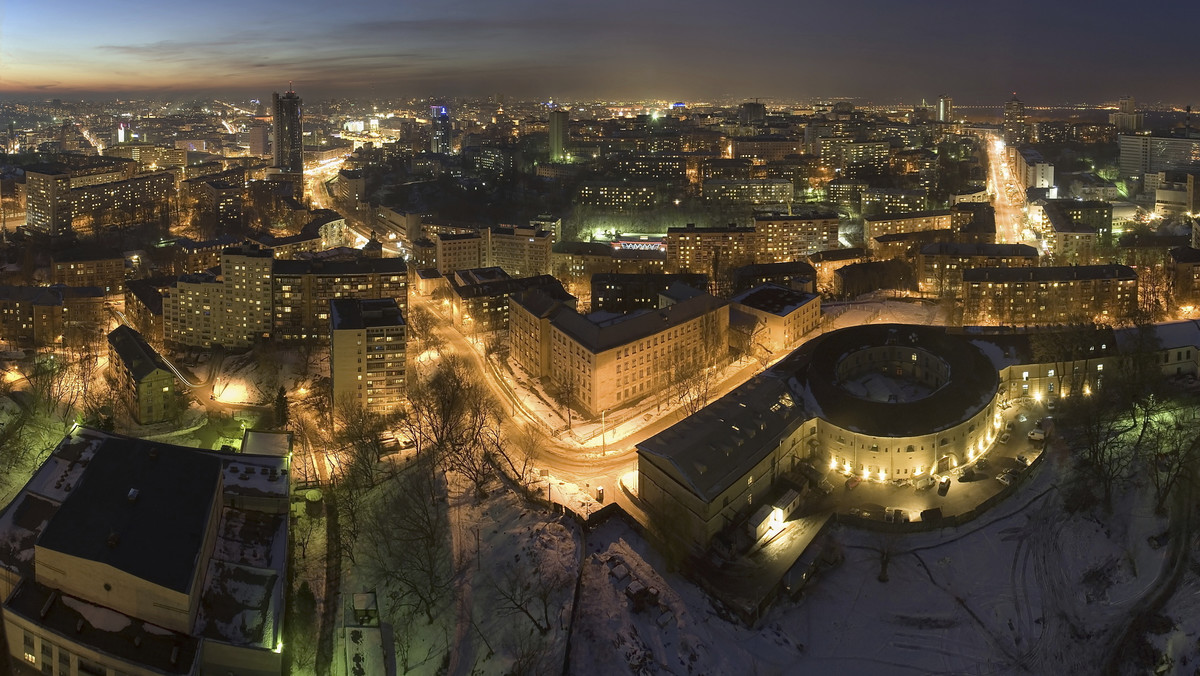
x=144 y=385
x=367 y=353
x=940 y=266
x=302 y=290
x=784 y=238
x=1049 y=295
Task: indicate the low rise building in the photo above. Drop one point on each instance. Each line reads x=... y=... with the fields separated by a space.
x=44 y=316
x=479 y=299
x=770 y=318
x=896 y=223
x=130 y=556
x=144 y=384
x=77 y=267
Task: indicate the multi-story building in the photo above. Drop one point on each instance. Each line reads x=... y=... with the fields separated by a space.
x=629 y=196
x=945 y=108
x=41 y=316
x=233 y=309
x=440 y=130
x=772 y=318
x=827 y=263
x=1016 y=131
x=221 y=206
x=940 y=266
x=460 y=251
x=892 y=200
x=905 y=222
x=765 y=148
x=146 y=558
x=302 y=290
x=140 y=199
x=1127 y=119
x=1142 y=155
x=710 y=250
x=1066 y=240
x=1049 y=295
x=614 y=292
x=874 y=154
x=522 y=251
x=751 y=191
x=479 y=299
x=1031 y=169
x=615 y=362
x=559 y=127
x=797 y=275
x=145 y=385
x=1186 y=275
x=48 y=200
x=783 y=238
x=367 y=353
x=144 y=307
x=77 y=267
x=289 y=132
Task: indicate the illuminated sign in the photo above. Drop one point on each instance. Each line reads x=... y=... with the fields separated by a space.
x=639 y=245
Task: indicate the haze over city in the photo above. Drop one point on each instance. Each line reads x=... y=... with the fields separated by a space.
x=883 y=51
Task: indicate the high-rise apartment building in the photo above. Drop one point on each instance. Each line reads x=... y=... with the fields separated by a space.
x=367 y=353
x=48 y=200
x=439 y=134
x=1127 y=119
x=945 y=108
x=1015 y=129
x=259 y=139
x=289 y=133
x=559 y=124
x=233 y=309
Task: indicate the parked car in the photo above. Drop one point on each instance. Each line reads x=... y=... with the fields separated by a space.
x=1010 y=426
x=1005 y=478
x=968 y=474
x=1004 y=438
x=925 y=482
x=852 y=483
x=825 y=487
x=944 y=486
x=982 y=463
x=1037 y=434
x=1023 y=461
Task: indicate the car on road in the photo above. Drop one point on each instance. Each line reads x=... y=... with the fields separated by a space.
x=944 y=486
x=1004 y=438
x=925 y=482
x=1037 y=434
x=825 y=487
x=852 y=483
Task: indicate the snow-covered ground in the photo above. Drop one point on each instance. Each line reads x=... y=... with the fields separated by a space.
x=1027 y=588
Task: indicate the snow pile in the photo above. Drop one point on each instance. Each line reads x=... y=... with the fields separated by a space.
x=99 y=617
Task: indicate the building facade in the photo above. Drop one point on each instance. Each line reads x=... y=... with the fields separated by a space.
x=367 y=354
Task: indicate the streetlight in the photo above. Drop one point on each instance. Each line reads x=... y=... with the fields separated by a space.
x=603 y=434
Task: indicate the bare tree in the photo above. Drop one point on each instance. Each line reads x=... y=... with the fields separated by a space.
x=452 y=417
x=1172 y=455
x=407 y=542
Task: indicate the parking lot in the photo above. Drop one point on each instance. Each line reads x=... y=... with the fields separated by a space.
x=873 y=498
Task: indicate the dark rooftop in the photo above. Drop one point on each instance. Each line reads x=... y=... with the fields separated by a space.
x=158 y=534
x=772 y=298
x=135 y=353
x=355 y=313
x=1049 y=274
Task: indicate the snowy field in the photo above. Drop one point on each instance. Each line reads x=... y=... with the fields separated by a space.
x=1026 y=589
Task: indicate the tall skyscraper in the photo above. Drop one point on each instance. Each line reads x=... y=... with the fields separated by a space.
x=289 y=133
x=559 y=123
x=439 y=136
x=1015 y=130
x=945 y=109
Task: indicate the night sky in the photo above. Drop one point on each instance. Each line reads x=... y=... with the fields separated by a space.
x=885 y=50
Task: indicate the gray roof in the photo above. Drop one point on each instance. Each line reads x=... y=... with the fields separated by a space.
x=908 y=215
x=610 y=334
x=135 y=353
x=773 y=298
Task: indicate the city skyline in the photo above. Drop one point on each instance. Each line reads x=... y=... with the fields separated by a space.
x=544 y=50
